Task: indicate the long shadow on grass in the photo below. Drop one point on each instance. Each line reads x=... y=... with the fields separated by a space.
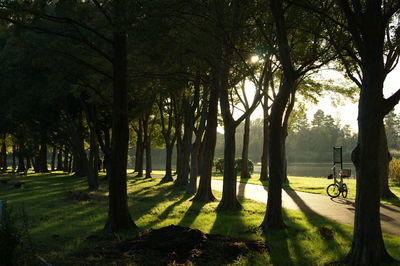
x=167 y=211
x=191 y=214
x=149 y=197
x=316 y=221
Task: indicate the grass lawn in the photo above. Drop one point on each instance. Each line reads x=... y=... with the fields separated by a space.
x=316 y=185
x=60 y=226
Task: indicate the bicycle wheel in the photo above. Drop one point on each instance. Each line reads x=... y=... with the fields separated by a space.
x=333 y=190
x=344 y=190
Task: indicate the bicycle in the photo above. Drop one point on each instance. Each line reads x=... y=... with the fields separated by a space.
x=338 y=187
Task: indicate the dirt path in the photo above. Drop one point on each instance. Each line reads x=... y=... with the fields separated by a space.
x=339 y=210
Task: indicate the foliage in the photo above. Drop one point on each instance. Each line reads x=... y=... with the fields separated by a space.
x=394 y=171
x=238 y=166
x=218 y=164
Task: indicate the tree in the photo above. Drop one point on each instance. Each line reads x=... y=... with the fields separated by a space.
x=296 y=61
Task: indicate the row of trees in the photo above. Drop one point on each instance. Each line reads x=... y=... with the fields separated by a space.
x=79 y=74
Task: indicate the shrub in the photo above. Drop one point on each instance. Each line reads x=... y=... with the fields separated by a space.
x=238 y=165
x=394 y=171
x=219 y=165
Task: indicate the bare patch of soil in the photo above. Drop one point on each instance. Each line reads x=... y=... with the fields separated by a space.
x=173 y=245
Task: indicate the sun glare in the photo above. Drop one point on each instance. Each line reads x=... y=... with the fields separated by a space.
x=255 y=58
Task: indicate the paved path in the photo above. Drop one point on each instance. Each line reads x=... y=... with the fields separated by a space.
x=339 y=210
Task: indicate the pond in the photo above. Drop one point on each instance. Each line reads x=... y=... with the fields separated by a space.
x=311 y=169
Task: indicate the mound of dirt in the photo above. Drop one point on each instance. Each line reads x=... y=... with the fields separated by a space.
x=174 y=245
x=85 y=196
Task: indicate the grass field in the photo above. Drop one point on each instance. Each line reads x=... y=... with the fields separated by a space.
x=316 y=185
x=60 y=226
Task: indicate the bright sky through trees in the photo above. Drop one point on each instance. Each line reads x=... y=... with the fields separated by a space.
x=346 y=110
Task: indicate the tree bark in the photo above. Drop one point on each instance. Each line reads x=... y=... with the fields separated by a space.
x=204 y=192
x=264 y=157
x=4 y=154
x=182 y=178
x=139 y=151
x=147 y=143
x=60 y=166
x=14 y=165
x=229 y=200
x=53 y=159
x=42 y=162
x=245 y=152
x=168 y=164
x=67 y=167
x=118 y=213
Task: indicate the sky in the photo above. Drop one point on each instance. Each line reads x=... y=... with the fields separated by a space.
x=347 y=111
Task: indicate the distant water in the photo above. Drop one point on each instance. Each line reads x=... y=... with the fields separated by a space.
x=311 y=169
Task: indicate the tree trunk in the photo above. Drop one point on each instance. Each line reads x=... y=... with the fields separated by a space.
x=229 y=200
x=194 y=167
x=60 y=166
x=204 y=192
x=42 y=162
x=13 y=159
x=179 y=151
x=168 y=164
x=371 y=159
x=264 y=157
x=245 y=152
x=183 y=174
x=53 y=159
x=139 y=151
x=66 y=161
x=147 y=143
x=21 y=163
x=70 y=160
x=28 y=162
x=118 y=212
x=93 y=162
x=4 y=154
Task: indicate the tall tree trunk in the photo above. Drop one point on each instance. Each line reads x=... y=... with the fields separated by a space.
x=70 y=160
x=13 y=159
x=194 y=168
x=118 y=212
x=179 y=151
x=28 y=162
x=60 y=166
x=183 y=174
x=168 y=164
x=21 y=163
x=147 y=143
x=4 y=154
x=264 y=157
x=368 y=247
x=229 y=200
x=94 y=158
x=139 y=151
x=53 y=159
x=42 y=162
x=245 y=152
x=66 y=161
x=204 y=192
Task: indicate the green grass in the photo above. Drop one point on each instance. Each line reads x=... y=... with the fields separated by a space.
x=60 y=226
x=316 y=185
